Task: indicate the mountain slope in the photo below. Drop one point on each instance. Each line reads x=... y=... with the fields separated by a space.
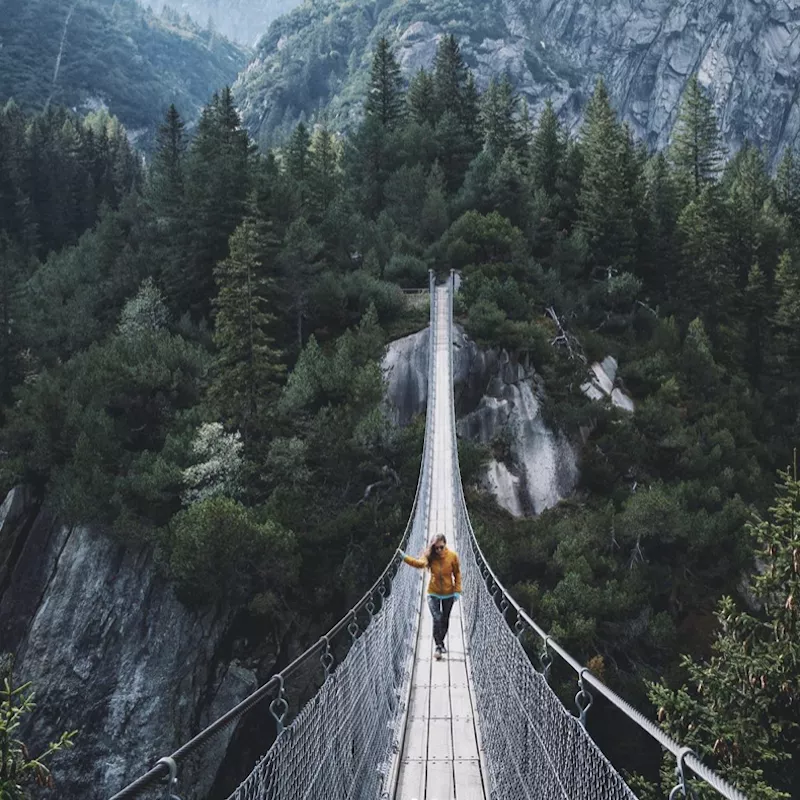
x=747 y=53
x=90 y=53
x=240 y=20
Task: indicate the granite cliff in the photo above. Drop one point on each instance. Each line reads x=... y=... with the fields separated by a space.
x=746 y=52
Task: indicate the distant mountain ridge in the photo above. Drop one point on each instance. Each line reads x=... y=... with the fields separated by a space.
x=86 y=54
x=317 y=58
x=242 y=21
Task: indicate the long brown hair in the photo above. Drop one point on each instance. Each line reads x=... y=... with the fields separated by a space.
x=430 y=553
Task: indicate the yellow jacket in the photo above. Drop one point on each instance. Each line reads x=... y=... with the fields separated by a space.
x=445 y=573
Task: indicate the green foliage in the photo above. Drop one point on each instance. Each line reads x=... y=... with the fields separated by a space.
x=739 y=707
x=220 y=550
x=98 y=429
x=19 y=771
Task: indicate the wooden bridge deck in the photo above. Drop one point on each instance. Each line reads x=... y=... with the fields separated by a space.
x=441 y=757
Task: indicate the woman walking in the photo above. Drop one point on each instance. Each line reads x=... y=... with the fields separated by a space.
x=444 y=586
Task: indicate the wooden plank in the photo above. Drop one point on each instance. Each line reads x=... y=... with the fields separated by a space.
x=460 y=701
x=416 y=744
x=465 y=743
x=458 y=672
x=469 y=785
x=440 y=702
x=440 y=784
x=440 y=739
x=418 y=705
x=411 y=781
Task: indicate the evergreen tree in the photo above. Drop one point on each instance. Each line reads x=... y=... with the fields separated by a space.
x=749 y=188
x=167 y=170
x=421 y=100
x=323 y=177
x=707 y=283
x=659 y=267
x=739 y=708
x=695 y=149
x=12 y=315
x=499 y=117
x=217 y=186
x=757 y=307
x=787 y=185
x=385 y=101
x=298 y=152
x=167 y=197
x=787 y=316
x=449 y=78
x=248 y=367
x=470 y=119
x=605 y=198
x=548 y=149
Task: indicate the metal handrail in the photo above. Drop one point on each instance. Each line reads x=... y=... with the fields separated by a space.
x=275 y=684
x=683 y=754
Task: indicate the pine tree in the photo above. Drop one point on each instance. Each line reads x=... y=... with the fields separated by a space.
x=706 y=282
x=166 y=186
x=756 y=306
x=297 y=153
x=499 y=108
x=659 y=266
x=470 y=119
x=787 y=315
x=421 y=100
x=695 y=149
x=787 y=185
x=739 y=708
x=548 y=150
x=385 y=101
x=749 y=188
x=605 y=198
x=217 y=186
x=248 y=367
x=449 y=78
x=167 y=197
x=323 y=172
x=12 y=315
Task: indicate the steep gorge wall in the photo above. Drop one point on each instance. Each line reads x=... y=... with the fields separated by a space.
x=111 y=652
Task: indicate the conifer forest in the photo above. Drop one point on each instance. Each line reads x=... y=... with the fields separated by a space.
x=191 y=338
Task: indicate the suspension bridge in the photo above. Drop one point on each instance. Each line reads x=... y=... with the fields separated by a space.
x=389 y=722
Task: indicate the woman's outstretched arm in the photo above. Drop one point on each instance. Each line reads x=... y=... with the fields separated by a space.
x=419 y=563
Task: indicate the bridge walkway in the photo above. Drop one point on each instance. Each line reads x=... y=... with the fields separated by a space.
x=441 y=756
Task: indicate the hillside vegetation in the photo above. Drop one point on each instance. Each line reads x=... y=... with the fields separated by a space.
x=198 y=368
x=86 y=54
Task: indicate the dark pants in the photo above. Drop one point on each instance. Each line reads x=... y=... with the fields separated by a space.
x=440 y=611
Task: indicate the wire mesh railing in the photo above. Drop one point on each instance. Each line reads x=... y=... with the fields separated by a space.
x=339 y=744
x=534 y=746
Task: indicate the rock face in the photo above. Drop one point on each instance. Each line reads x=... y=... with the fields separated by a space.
x=496 y=400
x=602 y=385
x=746 y=52
x=110 y=651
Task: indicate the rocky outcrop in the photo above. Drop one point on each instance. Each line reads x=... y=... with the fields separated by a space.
x=111 y=652
x=747 y=53
x=498 y=400
x=603 y=384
